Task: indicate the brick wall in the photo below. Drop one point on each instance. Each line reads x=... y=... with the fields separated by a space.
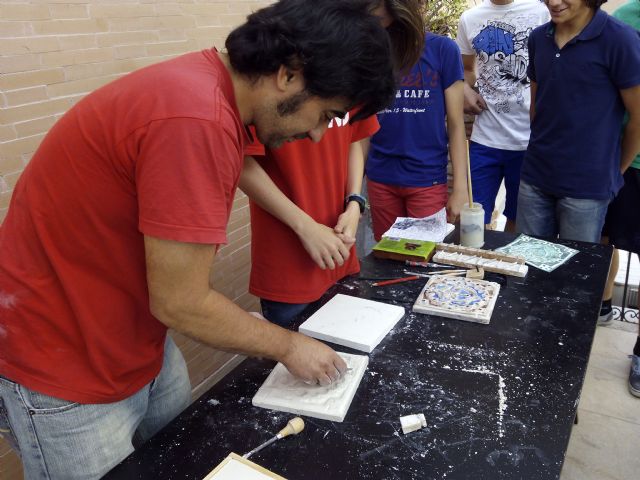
x=53 y=53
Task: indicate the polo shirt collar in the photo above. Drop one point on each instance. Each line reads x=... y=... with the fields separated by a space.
x=592 y=30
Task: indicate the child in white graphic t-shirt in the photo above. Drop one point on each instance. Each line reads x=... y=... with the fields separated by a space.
x=493 y=41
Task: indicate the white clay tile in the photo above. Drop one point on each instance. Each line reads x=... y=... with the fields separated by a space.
x=353 y=322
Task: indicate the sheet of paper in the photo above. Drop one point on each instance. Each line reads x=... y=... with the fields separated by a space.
x=538 y=253
x=432 y=229
x=353 y=322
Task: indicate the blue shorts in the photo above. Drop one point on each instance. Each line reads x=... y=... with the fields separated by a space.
x=622 y=224
x=281 y=313
x=488 y=167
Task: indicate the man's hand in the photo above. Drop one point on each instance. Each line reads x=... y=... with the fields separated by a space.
x=347 y=225
x=323 y=245
x=474 y=104
x=312 y=361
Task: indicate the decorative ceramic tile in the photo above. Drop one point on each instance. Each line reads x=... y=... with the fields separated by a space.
x=458 y=297
x=538 y=253
x=283 y=392
x=353 y=322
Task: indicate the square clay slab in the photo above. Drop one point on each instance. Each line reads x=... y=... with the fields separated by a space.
x=283 y=392
x=353 y=322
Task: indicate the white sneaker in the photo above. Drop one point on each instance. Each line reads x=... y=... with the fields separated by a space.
x=605 y=318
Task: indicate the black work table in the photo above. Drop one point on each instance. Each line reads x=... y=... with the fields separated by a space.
x=499 y=399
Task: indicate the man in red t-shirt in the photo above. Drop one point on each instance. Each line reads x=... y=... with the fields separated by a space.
x=112 y=231
x=305 y=196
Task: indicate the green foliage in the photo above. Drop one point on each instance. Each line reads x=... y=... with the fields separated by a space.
x=441 y=16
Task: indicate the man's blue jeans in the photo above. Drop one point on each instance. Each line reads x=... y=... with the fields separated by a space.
x=58 y=439
x=546 y=215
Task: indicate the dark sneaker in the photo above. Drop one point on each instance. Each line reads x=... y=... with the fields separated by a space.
x=605 y=317
x=634 y=376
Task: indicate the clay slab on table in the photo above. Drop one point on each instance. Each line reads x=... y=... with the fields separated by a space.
x=283 y=392
x=353 y=322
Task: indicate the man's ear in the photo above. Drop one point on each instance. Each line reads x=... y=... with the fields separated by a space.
x=289 y=80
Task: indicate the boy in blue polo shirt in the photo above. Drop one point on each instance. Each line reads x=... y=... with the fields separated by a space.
x=585 y=71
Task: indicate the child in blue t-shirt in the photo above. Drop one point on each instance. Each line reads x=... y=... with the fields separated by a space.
x=585 y=71
x=407 y=164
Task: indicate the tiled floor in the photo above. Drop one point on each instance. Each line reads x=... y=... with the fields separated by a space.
x=605 y=444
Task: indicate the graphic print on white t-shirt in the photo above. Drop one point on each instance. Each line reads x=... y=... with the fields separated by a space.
x=497 y=35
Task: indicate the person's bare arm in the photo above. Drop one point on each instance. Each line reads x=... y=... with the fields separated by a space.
x=347 y=225
x=631 y=134
x=180 y=297
x=473 y=102
x=320 y=241
x=453 y=97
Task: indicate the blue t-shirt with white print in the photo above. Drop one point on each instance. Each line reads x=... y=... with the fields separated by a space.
x=411 y=147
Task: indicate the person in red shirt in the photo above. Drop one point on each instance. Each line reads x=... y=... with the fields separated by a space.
x=305 y=196
x=113 y=226
x=316 y=179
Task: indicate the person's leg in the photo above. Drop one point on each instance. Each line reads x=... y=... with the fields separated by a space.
x=581 y=219
x=512 y=166
x=425 y=201
x=59 y=439
x=281 y=313
x=169 y=393
x=623 y=221
x=536 y=213
x=606 y=309
x=634 y=374
x=486 y=176
x=386 y=204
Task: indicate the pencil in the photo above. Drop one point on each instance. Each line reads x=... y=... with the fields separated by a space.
x=395 y=280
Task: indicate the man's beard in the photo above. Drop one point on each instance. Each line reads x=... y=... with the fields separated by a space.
x=277 y=142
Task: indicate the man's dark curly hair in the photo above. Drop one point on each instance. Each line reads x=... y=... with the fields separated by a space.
x=341 y=49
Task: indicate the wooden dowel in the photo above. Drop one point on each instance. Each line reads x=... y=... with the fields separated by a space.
x=469 y=177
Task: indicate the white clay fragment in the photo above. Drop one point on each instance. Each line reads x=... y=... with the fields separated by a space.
x=411 y=423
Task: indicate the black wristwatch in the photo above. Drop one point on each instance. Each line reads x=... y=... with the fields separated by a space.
x=359 y=199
